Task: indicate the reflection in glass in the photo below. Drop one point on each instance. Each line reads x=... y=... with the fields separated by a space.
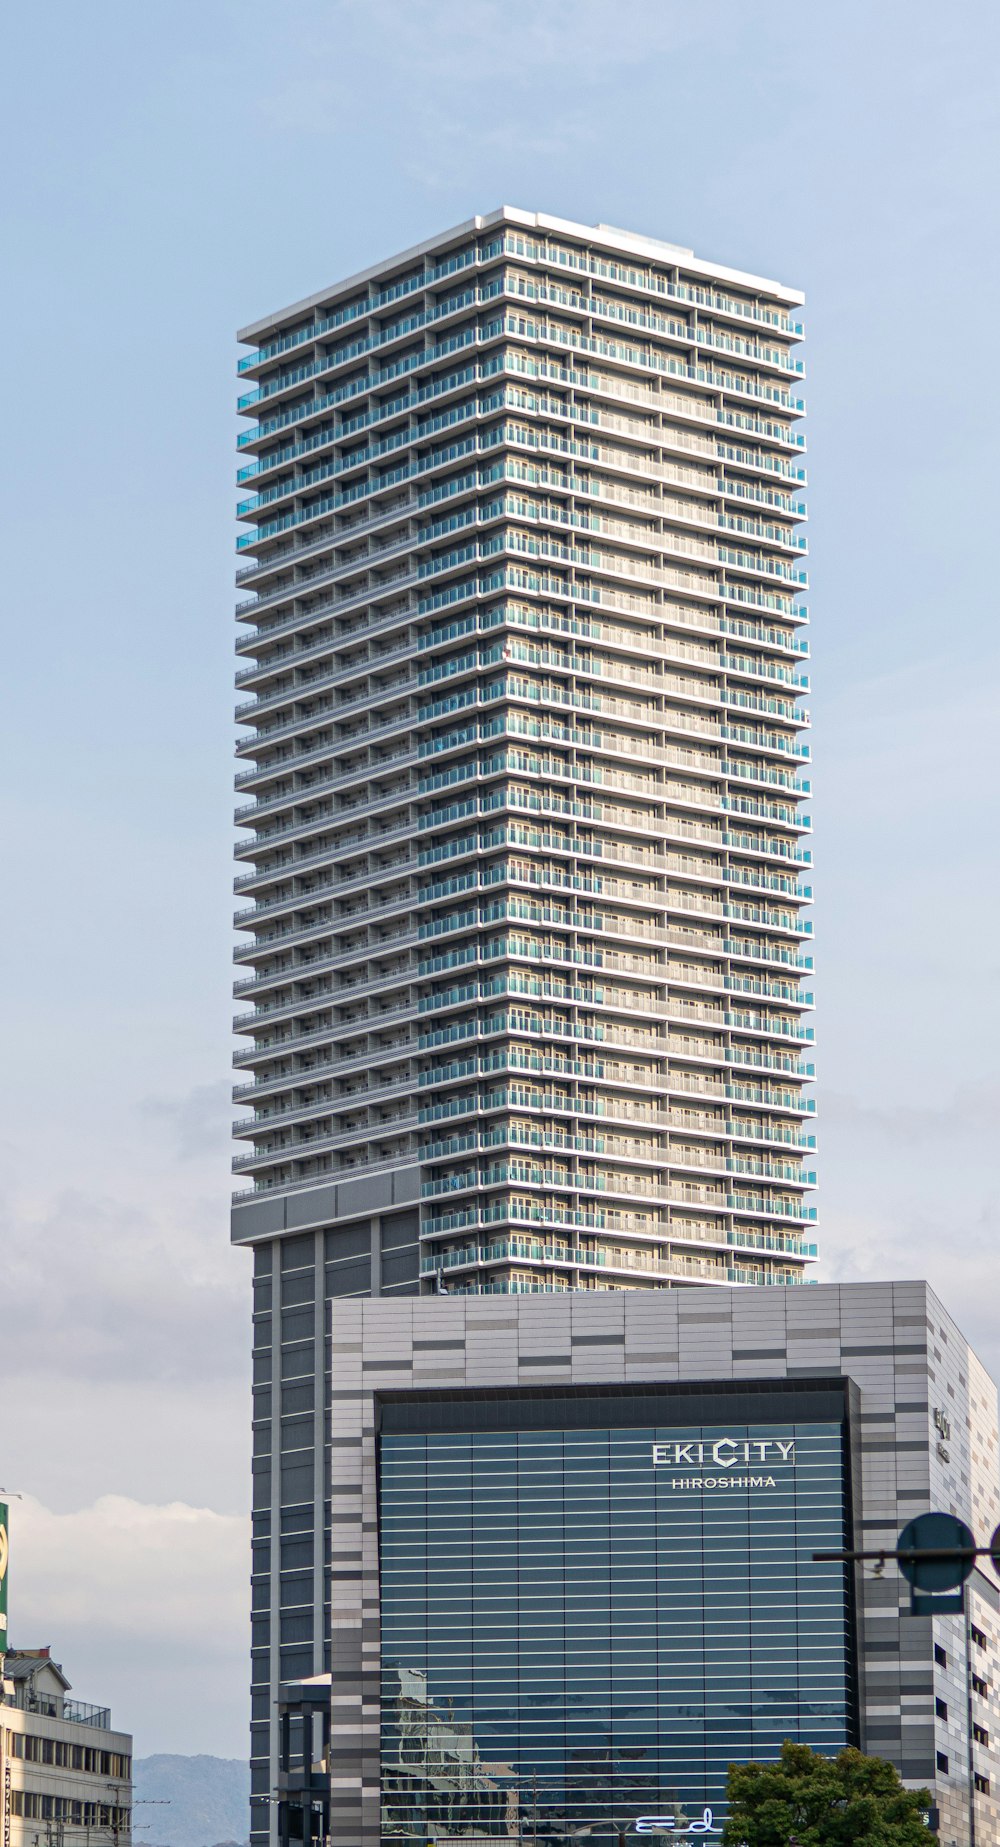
x=434 y=1780
x=572 y=1638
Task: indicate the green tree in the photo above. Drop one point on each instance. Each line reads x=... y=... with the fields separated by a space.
x=807 y=1800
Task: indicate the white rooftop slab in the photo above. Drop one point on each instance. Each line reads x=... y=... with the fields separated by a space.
x=624 y=243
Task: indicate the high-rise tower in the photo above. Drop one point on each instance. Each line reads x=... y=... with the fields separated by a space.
x=523 y=777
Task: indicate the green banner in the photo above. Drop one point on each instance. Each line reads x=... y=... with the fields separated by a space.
x=4 y=1557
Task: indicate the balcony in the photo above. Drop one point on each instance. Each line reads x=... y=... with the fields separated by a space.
x=296 y=656
x=79 y=1713
x=365 y=768
x=342 y=1064
x=359 y=987
x=334 y=997
x=327 y=1175
x=322 y=612
x=313 y=551
x=56 y=1706
x=326 y=926
x=671 y=1182
x=334 y=711
x=330 y=503
x=355 y=845
x=346 y=1143
x=526 y=1250
x=367 y=1092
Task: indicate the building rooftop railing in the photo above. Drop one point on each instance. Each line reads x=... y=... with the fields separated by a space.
x=82 y=1714
x=54 y=1706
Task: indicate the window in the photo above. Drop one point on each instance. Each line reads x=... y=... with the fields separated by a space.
x=476 y=1544
x=941 y=1708
x=66 y=1756
x=982 y=1784
x=940 y=1655
x=978 y=1636
x=980 y=1686
x=980 y=1734
x=942 y=1762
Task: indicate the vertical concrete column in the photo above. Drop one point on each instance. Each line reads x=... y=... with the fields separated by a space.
x=321 y=1447
x=376 y=1288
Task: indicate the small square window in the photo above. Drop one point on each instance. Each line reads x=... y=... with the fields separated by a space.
x=941 y=1708
x=940 y=1655
x=978 y=1636
x=982 y=1784
x=942 y=1762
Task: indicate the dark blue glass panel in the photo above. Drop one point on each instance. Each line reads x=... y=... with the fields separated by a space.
x=577 y=1628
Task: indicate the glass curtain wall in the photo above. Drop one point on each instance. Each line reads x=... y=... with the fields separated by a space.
x=583 y=1626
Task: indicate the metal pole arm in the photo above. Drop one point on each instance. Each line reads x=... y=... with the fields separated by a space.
x=910 y=1557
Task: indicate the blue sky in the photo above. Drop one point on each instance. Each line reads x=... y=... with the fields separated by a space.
x=175 y=170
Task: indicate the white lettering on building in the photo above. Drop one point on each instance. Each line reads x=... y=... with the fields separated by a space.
x=724 y=1452
x=666 y=1824
x=723 y=1481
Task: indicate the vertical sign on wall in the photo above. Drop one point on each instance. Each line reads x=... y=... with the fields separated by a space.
x=4 y=1556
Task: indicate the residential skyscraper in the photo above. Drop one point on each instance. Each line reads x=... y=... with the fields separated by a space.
x=524 y=780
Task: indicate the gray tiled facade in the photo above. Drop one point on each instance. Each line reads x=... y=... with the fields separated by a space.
x=912 y=1372
x=299 y=1268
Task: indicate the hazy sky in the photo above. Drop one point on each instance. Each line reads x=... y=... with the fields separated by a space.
x=174 y=170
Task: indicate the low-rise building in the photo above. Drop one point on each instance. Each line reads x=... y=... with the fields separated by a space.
x=572 y=1557
x=66 y=1775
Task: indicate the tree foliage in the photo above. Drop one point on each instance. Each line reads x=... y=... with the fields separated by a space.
x=807 y=1800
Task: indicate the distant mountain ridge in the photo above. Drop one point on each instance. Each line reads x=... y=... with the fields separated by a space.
x=208 y=1798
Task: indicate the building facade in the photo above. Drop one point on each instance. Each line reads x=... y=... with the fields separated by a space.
x=572 y=1573
x=66 y=1774
x=605 y=1592
x=525 y=841
x=526 y=950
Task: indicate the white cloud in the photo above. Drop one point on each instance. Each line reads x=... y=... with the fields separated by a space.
x=146 y=1607
x=973 y=1110
x=954 y=1248
x=127 y=1567
x=200 y=1119
x=906 y=1191
x=499 y=43
x=123 y=1319
x=98 y=1287
x=487 y=78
